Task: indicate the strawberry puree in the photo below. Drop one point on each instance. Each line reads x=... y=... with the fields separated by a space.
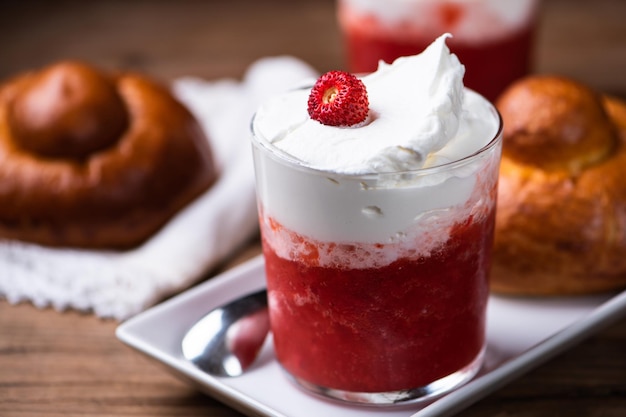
x=395 y=327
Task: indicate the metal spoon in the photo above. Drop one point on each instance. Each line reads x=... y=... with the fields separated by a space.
x=227 y=340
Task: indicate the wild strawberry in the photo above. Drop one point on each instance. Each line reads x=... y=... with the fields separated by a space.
x=338 y=98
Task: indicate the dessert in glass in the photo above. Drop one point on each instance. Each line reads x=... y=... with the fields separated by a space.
x=377 y=233
x=493 y=38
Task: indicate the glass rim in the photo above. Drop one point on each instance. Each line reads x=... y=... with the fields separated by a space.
x=260 y=141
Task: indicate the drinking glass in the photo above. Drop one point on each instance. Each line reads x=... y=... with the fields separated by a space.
x=378 y=283
x=493 y=38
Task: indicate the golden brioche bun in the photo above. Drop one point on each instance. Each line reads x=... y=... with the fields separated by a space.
x=561 y=214
x=96 y=160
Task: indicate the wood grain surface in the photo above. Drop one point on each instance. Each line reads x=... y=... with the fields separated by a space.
x=70 y=364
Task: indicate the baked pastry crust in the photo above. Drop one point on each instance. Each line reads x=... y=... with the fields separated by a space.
x=561 y=215
x=95 y=160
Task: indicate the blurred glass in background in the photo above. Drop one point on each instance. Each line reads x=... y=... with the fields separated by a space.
x=492 y=38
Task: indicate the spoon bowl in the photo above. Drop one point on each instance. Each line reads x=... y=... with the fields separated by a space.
x=226 y=341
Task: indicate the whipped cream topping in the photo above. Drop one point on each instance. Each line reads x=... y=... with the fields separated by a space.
x=467 y=20
x=417 y=105
x=394 y=187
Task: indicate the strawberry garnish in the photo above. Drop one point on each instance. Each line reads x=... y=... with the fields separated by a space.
x=338 y=98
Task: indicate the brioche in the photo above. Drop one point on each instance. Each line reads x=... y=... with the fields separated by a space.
x=561 y=215
x=95 y=160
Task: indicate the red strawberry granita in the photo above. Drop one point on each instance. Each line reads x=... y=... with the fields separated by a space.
x=377 y=234
x=493 y=38
x=383 y=328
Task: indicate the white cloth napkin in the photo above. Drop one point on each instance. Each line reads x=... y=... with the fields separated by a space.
x=120 y=284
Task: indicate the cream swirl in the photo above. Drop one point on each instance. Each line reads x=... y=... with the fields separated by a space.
x=418 y=117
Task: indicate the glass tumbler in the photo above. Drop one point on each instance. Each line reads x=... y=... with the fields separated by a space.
x=378 y=283
x=493 y=38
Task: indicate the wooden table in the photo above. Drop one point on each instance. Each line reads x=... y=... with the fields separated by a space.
x=70 y=364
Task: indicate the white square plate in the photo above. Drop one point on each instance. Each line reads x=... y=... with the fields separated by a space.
x=521 y=333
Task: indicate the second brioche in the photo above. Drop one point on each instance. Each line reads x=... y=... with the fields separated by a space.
x=561 y=220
